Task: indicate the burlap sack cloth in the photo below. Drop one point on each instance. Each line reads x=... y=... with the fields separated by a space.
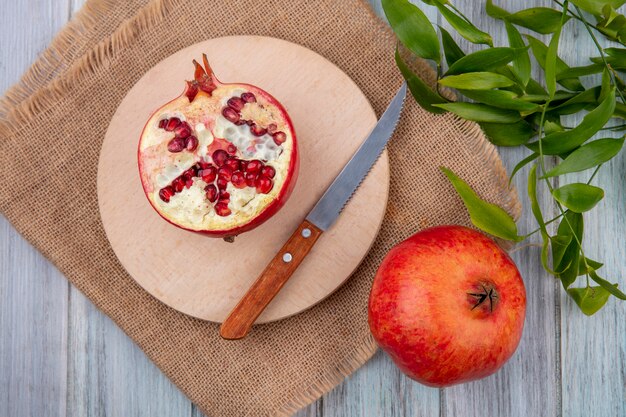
x=52 y=125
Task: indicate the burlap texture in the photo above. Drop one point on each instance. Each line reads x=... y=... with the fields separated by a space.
x=51 y=129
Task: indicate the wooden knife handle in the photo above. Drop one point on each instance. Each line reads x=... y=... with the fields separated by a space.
x=269 y=283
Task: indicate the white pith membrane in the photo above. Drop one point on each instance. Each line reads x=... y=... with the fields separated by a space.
x=190 y=208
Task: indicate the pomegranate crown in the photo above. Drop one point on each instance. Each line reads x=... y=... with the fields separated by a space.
x=203 y=80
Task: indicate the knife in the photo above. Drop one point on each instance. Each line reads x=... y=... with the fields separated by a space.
x=279 y=270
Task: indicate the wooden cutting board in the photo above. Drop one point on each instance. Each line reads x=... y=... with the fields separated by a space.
x=205 y=277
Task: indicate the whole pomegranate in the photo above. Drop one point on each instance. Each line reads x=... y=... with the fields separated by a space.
x=448 y=306
x=220 y=159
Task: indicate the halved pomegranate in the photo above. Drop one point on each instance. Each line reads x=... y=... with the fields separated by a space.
x=220 y=159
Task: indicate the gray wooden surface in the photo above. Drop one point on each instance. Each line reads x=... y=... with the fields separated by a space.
x=59 y=356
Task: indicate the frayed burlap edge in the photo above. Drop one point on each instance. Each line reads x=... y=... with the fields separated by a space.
x=18 y=110
x=22 y=103
x=49 y=63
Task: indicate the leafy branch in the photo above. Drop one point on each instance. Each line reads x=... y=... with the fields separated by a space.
x=514 y=109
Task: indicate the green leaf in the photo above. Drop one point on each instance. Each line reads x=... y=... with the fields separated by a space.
x=595 y=6
x=589 y=299
x=465 y=28
x=486 y=216
x=538 y=19
x=509 y=72
x=549 y=127
x=574 y=72
x=521 y=164
x=423 y=94
x=508 y=134
x=561 y=142
x=451 y=50
x=495 y=11
x=534 y=205
x=500 y=98
x=605 y=87
x=612 y=288
x=484 y=60
x=521 y=63
x=573 y=105
x=613 y=25
x=476 y=81
x=413 y=28
x=578 y=197
x=533 y=87
x=591 y=265
x=588 y=156
x=550 y=70
x=559 y=245
x=618 y=63
x=620 y=110
x=571 y=227
x=481 y=112
x=540 y=51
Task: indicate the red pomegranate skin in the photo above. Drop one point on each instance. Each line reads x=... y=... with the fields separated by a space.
x=448 y=306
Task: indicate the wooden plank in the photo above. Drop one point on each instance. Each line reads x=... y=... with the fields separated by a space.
x=594 y=348
x=379 y=389
x=33 y=294
x=108 y=375
x=33 y=320
x=528 y=384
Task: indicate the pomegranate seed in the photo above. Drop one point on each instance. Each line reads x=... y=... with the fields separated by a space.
x=254 y=166
x=176 y=145
x=241 y=122
x=211 y=192
x=236 y=103
x=268 y=171
x=183 y=130
x=204 y=164
x=191 y=143
x=224 y=195
x=172 y=124
x=243 y=164
x=219 y=157
x=208 y=175
x=162 y=123
x=250 y=178
x=230 y=114
x=238 y=179
x=232 y=149
x=222 y=209
x=248 y=97
x=189 y=174
x=225 y=172
x=188 y=183
x=258 y=130
x=271 y=128
x=178 y=184
x=249 y=122
x=166 y=193
x=232 y=163
x=263 y=185
x=279 y=137
x=221 y=183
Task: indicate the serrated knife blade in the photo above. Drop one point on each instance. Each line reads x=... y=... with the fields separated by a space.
x=286 y=261
x=329 y=207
